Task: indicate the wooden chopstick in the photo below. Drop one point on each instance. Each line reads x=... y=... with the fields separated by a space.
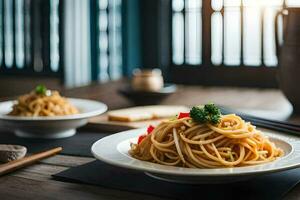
x=17 y=164
x=272 y=123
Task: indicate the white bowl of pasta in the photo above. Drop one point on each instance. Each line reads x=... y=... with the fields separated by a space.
x=118 y=146
x=49 y=125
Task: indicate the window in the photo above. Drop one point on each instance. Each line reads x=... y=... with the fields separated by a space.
x=93 y=41
x=78 y=41
x=230 y=42
x=187 y=32
x=109 y=40
x=29 y=37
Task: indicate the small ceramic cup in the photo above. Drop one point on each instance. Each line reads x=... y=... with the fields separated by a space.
x=150 y=80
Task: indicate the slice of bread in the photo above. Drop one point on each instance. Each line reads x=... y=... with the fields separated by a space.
x=142 y=113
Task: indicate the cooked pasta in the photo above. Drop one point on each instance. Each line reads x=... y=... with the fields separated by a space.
x=48 y=104
x=185 y=143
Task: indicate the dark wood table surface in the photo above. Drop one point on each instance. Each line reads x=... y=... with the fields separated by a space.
x=35 y=182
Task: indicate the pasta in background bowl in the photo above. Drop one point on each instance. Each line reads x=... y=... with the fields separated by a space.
x=35 y=104
x=41 y=114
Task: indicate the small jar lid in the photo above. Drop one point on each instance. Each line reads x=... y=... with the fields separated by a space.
x=147 y=72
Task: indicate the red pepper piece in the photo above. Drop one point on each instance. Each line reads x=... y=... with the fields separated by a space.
x=150 y=129
x=141 y=138
x=183 y=115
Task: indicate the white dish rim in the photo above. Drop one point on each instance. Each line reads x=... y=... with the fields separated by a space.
x=128 y=162
x=99 y=109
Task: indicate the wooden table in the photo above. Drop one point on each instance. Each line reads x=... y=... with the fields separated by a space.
x=35 y=182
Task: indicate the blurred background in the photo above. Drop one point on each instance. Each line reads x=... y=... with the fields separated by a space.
x=72 y=43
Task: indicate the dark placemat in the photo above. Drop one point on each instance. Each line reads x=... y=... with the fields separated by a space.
x=271 y=186
x=77 y=145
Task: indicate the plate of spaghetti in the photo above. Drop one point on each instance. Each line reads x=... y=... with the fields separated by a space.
x=202 y=146
x=44 y=113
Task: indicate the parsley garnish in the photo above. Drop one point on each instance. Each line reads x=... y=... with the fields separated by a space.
x=208 y=113
x=41 y=89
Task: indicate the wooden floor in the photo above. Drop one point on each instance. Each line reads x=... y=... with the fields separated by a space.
x=35 y=182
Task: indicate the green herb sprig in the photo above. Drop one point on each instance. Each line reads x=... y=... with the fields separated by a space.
x=209 y=113
x=41 y=89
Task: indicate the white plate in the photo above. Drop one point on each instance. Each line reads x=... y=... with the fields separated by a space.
x=114 y=150
x=50 y=127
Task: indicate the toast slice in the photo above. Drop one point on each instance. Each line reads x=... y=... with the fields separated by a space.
x=142 y=113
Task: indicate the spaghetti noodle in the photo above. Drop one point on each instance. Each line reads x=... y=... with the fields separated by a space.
x=183 y=142
x=36 y=104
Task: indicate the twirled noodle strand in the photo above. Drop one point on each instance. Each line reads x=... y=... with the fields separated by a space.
x=182 y=142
